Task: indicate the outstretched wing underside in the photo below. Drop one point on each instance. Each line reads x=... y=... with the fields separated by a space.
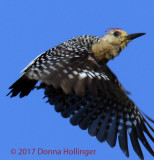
x=104 y=118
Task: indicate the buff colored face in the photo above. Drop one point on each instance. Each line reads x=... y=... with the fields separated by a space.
x=112 y=43
x=116 y=36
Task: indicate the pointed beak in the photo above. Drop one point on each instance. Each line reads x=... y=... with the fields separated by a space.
x=133 y=36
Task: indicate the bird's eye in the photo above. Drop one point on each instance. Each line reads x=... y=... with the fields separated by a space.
x=116 y=33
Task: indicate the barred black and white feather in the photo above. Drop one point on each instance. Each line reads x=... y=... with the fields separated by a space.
x=104 y=117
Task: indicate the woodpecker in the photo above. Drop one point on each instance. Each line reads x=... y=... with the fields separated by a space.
x=77 y=81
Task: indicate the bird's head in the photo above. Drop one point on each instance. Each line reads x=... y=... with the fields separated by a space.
x=117 y=36
x=112 y=43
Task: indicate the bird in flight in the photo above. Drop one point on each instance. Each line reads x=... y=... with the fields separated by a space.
x=77 y=81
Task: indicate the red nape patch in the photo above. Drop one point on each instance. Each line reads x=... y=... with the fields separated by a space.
x=113 y=29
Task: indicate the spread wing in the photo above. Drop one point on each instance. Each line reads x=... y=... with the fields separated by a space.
x=89 y=93
x=95 y=100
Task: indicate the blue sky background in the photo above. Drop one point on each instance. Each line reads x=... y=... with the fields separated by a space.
x=30 y=27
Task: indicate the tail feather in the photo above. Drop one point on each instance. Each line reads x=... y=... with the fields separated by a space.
x=22 y=86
